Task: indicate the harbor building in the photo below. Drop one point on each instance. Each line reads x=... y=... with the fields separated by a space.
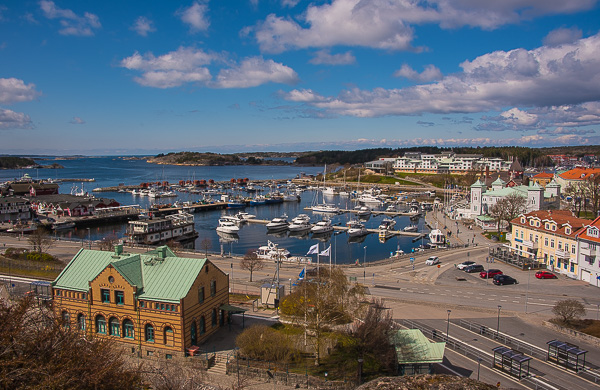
x=152 y=304
x=14 y=208
x=550 y=237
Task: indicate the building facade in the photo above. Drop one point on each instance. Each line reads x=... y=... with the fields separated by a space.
x=153 y=304
x=588 y=240
x=14 y=208
x=549 y=236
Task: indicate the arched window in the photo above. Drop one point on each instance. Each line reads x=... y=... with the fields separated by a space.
x=149 y=332
x=193 y=338
x=81 y=322
x=114 y=327
x=100 y=324
x=128 y=330
x=168 y=335
x=65 y=318
x=214 y=317
x=202 y=325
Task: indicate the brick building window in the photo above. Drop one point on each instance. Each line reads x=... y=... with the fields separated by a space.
x=201 y=294
x=114 y=327
x=213 y=288
x=120 y=297
x=128 y=330
x=105 y=295
x=149 y=332
x=100 y=324
x=81 y=322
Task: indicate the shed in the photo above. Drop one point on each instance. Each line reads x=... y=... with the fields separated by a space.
x=415 y=354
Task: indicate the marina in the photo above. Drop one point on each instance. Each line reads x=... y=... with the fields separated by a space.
x=206 y=206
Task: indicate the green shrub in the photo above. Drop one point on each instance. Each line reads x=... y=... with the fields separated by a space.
x=261 y=342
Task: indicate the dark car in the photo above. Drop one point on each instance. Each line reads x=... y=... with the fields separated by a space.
x=474 y=268
x=504 y=279
x=490 y=273
x=545 y=275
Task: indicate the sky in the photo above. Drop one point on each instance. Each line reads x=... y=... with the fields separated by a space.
x=148 y=77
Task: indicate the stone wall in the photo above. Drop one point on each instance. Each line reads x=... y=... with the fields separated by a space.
x=578 y=335
x=286 y=379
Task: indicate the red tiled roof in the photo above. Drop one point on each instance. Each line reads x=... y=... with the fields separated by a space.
x=579 y=173
x=561 y=217
x=544 y=175
x=583 y=233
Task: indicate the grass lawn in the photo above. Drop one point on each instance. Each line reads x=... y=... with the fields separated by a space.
x=501 y=236
x=591 y=327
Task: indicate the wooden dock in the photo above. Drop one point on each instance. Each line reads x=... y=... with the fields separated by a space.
x=389 y=213
x=344 y=228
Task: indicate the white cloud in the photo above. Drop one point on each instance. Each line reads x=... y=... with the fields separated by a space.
x=189 y=65
x=562 y=35
x=195 y=16
x=386 y=24
x=14 y=120
x=325 y=57
x=519 y=118
x=13 y=90
x=76 y=121
x=289 y=3
x=255 y=71
x=71 y=23
x=567 y=75
x=143 y=26
x=430 y=73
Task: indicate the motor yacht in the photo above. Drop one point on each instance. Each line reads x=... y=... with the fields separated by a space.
x=323 y=226
x=356 y=229
x=227 y=226
x=387 y=224
x=279 y=223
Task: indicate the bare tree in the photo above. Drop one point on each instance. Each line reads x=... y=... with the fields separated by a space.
x=569 y=310
x=175 y=246
x=319 y=304
x=205 y=245
x=508 y=208
x=251 y=262
x=40 y=240
x=40 y=351
x=108 y=243
x=590 y=190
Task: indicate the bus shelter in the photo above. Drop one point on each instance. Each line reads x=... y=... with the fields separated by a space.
x=512 y=362
x=566 y=355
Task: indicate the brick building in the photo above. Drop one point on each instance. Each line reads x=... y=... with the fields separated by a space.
x=153 y=304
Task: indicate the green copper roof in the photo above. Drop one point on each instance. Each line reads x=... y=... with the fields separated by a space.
x=553 y=183
x=167 y=278
x=413 y=347
x=499 y=181
x=478 y=183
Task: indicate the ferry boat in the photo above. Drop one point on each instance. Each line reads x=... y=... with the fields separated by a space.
x=158 y=231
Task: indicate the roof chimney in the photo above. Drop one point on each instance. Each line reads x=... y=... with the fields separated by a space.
x=118 y=249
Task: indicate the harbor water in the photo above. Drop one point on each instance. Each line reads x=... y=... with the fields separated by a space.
x=112 y=171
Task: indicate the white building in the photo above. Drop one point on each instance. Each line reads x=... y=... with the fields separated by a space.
x=448 y=162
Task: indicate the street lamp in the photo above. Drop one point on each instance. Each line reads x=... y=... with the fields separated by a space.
x=360 y=366
x=527 y=294
x=448 y=324
x=498 y=326
x=365 y=267
x=478 y=367
x=89 y=238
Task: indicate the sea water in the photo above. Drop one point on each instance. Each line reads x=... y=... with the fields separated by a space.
x=112 y=171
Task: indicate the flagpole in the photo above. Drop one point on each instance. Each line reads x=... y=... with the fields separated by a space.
x=318 y=260
x=329 y=258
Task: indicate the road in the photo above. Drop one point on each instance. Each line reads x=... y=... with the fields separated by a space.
x=425 y=293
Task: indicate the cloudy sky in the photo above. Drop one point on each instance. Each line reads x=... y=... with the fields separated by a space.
x=134 y=77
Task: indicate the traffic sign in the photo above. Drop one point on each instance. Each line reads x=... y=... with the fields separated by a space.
x=412 y=259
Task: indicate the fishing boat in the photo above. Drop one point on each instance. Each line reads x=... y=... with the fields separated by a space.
x=259 y=200
x=271 y=252
x=62 y=225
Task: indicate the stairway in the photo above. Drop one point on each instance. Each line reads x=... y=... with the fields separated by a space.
x=220 y=365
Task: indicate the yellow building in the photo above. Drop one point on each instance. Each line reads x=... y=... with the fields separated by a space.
x=550 y=237
x=154 y=304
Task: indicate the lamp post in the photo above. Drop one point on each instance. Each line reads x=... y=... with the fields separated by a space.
x=478 y=367
x=527 y=294
x=360 y=366
x=448 y=324
x=498 y=326
x=89 y=238
x=232 y=284
x=365 y=267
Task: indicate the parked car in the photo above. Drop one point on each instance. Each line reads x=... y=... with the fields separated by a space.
x=545 y=275
x=432 y=260
x=465 y=264
x=504 y=279
x=490 y=273
x=474 y=268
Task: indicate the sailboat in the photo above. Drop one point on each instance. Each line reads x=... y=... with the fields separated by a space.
x=324 y=207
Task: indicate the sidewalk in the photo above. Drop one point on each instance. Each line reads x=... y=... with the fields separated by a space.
x=464 y=236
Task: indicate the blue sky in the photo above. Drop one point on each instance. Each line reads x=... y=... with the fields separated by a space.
x=144 y=77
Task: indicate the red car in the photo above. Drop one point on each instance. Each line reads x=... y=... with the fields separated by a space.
x=545 y=275
x=490 y=273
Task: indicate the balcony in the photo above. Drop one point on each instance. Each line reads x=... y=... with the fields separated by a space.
x=586 y=250
x=562 y=254
x=530 y=244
